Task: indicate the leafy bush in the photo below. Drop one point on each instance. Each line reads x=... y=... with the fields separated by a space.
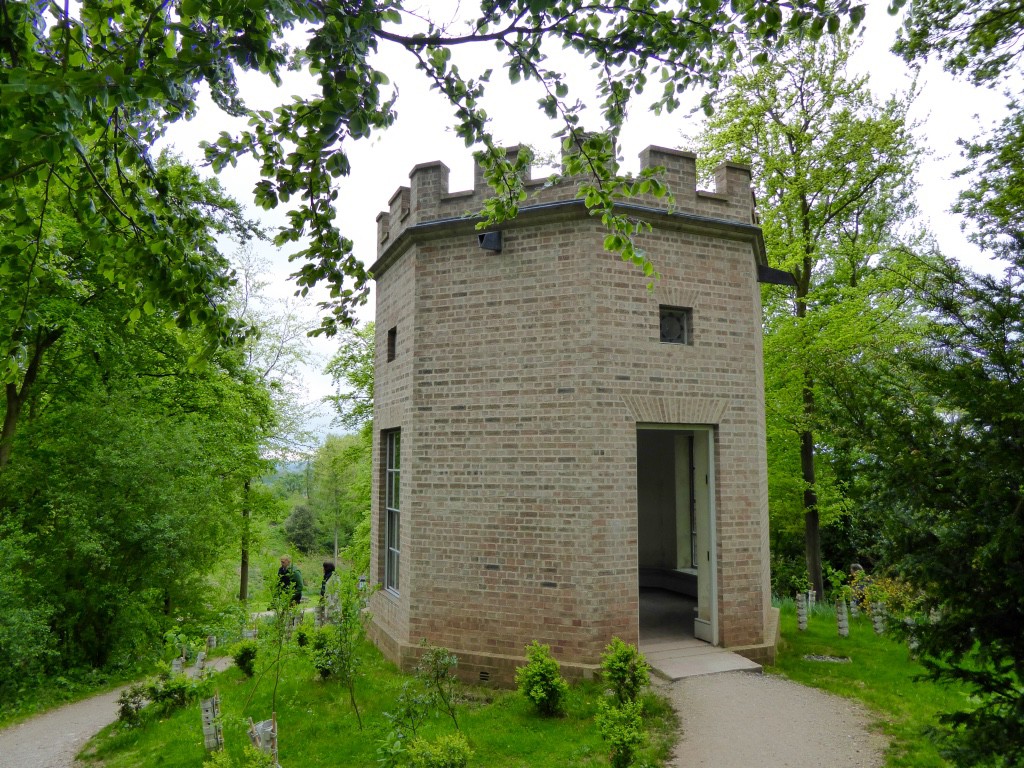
x=789 y=575
x=323 y=650
x=244 y=655
x=175 y=692
x=391 y=750
x=625 y=670
x=412 y=707
x=622 y=727
x=540 y=680
x=251 y=758
x=451 y=751
x=899 y=597
x=130 y=704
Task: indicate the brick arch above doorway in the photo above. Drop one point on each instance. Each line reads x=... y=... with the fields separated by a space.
x=648 y=409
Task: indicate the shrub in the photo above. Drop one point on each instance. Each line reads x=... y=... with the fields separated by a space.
x=412 y=707
x=540 y=680
x=435 y=671
x=623 y=728
x=176 y=692
x=391 y=751
x=251 y=758
x=130 y=704
x=451 y=751
x=789 y=575
x=625 y=670
x=179 y=643
x=899 y=597
x=244 y=655
x=323 y=650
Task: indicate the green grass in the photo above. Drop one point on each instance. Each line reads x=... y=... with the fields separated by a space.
x=881 y=674
x=318 y=728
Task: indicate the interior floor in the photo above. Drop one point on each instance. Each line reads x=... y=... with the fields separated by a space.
x=668 y=644
x=665 y=615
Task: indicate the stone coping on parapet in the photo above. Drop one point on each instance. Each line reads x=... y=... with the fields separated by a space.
x=546 y=213
x=429 y=199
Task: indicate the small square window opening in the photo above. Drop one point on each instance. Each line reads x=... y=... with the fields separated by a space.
x=676 y=325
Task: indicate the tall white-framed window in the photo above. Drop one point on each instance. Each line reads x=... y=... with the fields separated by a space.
x=393 y=517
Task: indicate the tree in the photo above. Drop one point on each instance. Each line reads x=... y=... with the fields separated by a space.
x=960 y=527
x=342 y=469
x=89 y=88
x=119 y=484
x=344 y=466
x=351 y=371
x=833 y=172
x=274 y=353
x=984 y=40
x=981 y=38
x=944 y=455
x=59 y=286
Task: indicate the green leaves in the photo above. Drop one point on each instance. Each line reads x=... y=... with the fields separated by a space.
x=86 y=97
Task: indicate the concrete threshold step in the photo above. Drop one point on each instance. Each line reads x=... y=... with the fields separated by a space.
x=687 y=663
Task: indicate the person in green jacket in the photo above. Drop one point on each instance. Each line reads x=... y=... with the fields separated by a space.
x=290 y=578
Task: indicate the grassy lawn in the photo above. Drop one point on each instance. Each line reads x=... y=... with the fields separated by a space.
x=318 y=728
x=881 y=674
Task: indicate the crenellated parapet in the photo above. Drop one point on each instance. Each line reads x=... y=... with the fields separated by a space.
x=427 y=199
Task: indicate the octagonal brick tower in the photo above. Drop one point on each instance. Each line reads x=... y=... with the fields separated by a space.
x=551 y=434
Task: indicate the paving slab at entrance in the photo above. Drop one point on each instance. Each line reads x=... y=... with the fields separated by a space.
x=674 y=660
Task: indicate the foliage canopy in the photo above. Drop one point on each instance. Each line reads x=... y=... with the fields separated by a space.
x=88 y=89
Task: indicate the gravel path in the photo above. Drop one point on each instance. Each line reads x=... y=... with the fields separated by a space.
x=734 y=720
x=739 y=720
x=52 y=739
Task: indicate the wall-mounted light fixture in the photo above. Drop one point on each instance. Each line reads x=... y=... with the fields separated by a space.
x=490 y=241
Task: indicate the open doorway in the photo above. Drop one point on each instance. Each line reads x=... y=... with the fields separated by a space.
x=676 y=531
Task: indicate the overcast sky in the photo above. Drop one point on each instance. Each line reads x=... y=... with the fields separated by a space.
x=947 y=109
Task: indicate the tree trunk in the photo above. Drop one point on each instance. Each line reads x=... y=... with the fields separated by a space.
x=812 y=534
x=16 y=398
x=14 y=403
x=243 y=579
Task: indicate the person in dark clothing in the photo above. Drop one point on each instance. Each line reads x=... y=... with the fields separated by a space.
x=290 y=578
x=328 y=572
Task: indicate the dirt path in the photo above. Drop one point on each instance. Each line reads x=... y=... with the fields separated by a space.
x=739 y=720
x=734 y=720
x=52 y=739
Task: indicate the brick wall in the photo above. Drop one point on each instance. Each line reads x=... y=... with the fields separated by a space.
x=519 y=381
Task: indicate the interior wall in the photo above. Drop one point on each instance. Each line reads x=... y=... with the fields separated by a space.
x=684 y=543
x=656 y=499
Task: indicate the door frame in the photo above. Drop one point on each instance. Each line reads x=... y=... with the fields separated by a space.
x=707 y=431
